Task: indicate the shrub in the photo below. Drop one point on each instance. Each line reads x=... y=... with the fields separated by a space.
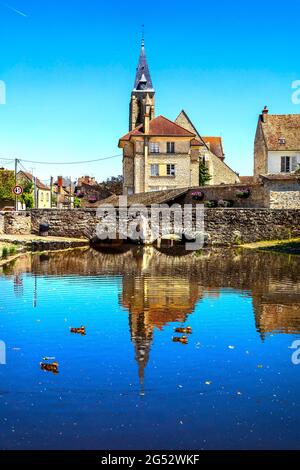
x=77 y=202
x=211 y=204
x=5 y=252
x=204 y=176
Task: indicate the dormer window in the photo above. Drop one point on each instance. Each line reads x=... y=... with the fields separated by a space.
x=282 y=141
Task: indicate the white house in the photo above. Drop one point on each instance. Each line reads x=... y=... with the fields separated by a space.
x=277 y=144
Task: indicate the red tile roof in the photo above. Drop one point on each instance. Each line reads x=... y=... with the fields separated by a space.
x=39 y=184
x=215 y=145
x=160 y=126
x=197 y=142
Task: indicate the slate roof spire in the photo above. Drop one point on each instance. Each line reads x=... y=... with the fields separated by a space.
x=143 y=80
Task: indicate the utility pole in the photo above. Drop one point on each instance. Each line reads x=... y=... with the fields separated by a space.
x=70 y=192
x=51 y=191
x=16 y=171
x=35 y=193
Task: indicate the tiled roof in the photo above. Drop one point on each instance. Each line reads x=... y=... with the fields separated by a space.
x=39 y=184
x=137 y=131
x=155 y=197
x=196 y=142
x=283 y=126
x=215 y=146
x=160 y=126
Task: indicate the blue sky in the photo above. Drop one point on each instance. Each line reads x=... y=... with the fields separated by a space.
x=69 y=69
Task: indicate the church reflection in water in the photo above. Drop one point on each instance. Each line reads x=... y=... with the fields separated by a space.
x=159 y=289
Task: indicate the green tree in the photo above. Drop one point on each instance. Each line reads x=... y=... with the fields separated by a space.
x=27 y=197
x=204 y=176
x=7 y=183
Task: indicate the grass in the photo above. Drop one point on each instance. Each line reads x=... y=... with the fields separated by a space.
x=7 y=251
x=291 y=246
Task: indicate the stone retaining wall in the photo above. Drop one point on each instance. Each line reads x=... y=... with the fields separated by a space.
x=258 y=195
x=2 y=219
x=17 y=223
x=222 y=226
x=235 y=226
x=76 y=223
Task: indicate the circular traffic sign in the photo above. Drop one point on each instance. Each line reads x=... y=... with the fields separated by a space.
x=18 y=190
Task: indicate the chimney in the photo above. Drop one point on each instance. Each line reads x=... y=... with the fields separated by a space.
x=147 y=115
x=265 y=112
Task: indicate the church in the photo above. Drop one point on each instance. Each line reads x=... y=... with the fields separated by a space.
x=161 y=154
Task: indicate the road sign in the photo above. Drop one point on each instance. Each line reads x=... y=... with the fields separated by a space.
x=18 y=190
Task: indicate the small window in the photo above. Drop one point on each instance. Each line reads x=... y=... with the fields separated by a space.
x=170 y=169
x=282 y=141
x=154 y=147
x=154 y=170
x=152 y=189
x=285 y=164
x=170 y=147
x=42 y=196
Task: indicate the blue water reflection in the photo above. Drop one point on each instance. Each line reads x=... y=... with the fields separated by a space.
x=126 y=384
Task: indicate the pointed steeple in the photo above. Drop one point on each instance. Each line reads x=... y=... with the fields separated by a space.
x=143 y=80
x=142 y=92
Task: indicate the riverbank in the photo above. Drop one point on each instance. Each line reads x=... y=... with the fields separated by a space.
x=34 y=243
x=291 y=246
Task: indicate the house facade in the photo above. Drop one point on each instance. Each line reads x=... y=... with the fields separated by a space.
x=160 y=154
x=42 y=193
x=277 y=144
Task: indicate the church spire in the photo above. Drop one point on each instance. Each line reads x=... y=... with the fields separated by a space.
x=143 y=80
x=142 y=93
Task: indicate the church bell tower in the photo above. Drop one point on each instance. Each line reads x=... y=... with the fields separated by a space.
x=142 y=93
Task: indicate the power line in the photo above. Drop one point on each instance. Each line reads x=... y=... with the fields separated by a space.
x=63 y=163
x=5 y=160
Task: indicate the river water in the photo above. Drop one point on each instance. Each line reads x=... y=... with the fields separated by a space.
x=126 y=384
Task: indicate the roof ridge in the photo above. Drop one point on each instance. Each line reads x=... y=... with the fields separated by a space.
x=174 y=123
x=288 y=114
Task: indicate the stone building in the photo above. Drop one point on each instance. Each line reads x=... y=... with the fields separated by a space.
x=159 y=154
x=277 y=144
x=212 y=153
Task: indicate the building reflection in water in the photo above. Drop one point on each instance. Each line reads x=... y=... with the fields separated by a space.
x=159 y=289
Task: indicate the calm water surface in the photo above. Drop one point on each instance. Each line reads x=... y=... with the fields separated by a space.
x=126 y=384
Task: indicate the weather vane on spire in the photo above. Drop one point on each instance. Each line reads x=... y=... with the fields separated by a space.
x=143 y=34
